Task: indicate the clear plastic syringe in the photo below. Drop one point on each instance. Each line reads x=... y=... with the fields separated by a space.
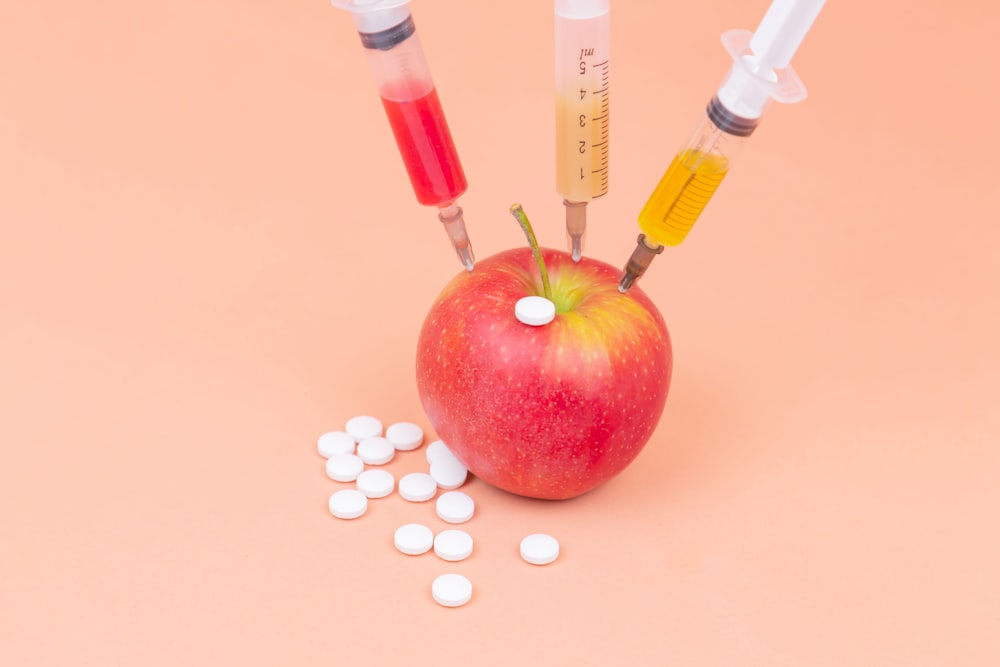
x=760 y=73
x=583 y=102
x=411 y=104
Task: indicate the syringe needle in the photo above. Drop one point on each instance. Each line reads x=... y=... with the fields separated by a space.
x=454 y=225
x=576 y=226
x=638 y=262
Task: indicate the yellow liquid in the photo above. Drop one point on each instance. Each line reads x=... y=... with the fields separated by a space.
x=681 y=195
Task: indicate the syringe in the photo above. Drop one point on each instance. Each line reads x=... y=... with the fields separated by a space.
x=760 y=73
x=411 y=104
x=583 y=101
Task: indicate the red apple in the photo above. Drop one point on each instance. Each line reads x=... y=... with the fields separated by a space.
x=548 y=411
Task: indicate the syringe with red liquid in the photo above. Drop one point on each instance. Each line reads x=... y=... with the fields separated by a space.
x=411 y=104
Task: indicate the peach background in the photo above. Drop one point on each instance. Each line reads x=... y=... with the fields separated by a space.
x=209 y=255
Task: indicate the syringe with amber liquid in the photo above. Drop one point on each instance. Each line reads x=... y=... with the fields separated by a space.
x=583 y=107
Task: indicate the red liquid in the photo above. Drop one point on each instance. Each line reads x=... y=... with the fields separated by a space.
x=428 y=152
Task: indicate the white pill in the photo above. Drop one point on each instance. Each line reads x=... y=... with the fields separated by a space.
x=417 y=487
x=453 y=545
x=539 y=549
x=335 y=442
x=376 y=451
x=405 y=436
x=344 y=467
x=436 y=450
x=451 y=590
x=363 y=427
x=376 y=483
x=414 y=539
x=534 y=310
x=348 y=504
x=455 y=507
x=448 y=472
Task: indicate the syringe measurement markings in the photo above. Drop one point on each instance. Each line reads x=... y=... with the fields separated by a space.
x=597 y=121
x=690 y=202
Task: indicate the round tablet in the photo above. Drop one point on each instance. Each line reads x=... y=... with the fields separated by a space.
x=448 y=472
x=362 y=427
x=539 y=549
x=376 y=451
x=455 y=507
x=417 y=487
x=451 y=590
x=405 y=436
x=413 y=539
x=348 y=504
x=376 y=483
x=436 y=450
x=344 y=467
x=453 y=545
x=534 y=310
x=335 y=442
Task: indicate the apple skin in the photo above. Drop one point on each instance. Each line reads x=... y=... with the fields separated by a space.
x=549 y=411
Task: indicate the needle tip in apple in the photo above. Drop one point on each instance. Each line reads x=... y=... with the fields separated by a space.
x=454 y=225
x=639 y=261
x=576 y=248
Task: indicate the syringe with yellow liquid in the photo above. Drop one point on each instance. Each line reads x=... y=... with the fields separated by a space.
x=760 y=73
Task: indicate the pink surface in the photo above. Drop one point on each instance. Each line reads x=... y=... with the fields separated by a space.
x=210 y=254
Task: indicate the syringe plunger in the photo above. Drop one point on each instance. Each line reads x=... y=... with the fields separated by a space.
x=761 y=68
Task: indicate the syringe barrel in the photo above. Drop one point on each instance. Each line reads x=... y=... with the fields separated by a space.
x=397 y=62
x=693 y=176
x=403 y=78
x=583 y=98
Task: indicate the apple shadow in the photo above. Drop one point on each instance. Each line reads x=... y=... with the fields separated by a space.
x=700 y=438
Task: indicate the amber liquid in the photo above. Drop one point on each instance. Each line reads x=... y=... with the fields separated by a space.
x=581 y=145
x=681 y=195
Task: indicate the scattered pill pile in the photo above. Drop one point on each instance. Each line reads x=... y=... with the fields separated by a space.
x=363 y=443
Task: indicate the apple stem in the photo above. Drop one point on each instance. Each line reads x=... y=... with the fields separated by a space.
x=518 y=212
